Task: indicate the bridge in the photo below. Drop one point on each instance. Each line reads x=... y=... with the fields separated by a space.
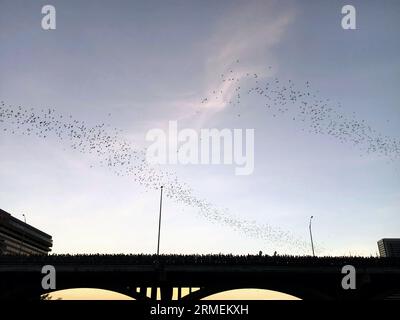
x=192 y=277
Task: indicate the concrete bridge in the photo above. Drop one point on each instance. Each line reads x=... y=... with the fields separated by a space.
x=148 y=277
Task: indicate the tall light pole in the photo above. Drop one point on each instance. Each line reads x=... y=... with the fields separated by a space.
x=159 y=224
x=312 y=243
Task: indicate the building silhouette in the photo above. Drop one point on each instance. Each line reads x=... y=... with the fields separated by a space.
x=18 y=237
x=389 y=247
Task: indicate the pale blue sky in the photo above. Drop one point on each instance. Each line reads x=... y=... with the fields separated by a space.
x=149 y=62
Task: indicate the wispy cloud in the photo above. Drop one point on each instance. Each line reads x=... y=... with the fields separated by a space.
x=242 y=44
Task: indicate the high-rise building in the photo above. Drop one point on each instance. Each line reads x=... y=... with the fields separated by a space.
x=389 y=247
x=18 y=237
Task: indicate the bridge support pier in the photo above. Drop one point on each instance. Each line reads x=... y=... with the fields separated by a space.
x=166 y=293
x=153 y=295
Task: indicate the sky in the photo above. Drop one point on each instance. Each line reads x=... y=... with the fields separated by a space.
x=136 y=65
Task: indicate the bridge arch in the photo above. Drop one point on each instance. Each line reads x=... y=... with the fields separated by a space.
x=296 y=293
x=251 y=294
x=87 y=294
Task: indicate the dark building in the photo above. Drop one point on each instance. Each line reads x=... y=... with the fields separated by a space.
x=389 y=247
x=18 y=237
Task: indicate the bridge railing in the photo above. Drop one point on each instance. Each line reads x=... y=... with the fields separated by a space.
x=197 y=259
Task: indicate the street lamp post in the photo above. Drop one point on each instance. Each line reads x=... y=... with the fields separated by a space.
x=159 y=224
x=312 y=243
